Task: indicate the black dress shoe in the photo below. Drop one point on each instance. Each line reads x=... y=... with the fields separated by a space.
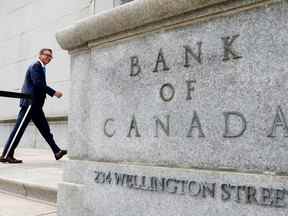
x=3 y=160
x=13 y=160
x=60 y=154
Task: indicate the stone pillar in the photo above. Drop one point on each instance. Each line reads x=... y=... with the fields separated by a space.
x=178 y=108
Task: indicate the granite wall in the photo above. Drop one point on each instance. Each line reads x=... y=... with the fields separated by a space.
x=183 y=108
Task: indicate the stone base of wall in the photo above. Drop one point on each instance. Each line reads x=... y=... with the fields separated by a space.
x=95 y=188
x=32 y=137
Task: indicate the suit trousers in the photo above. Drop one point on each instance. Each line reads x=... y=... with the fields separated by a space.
x=25 y=115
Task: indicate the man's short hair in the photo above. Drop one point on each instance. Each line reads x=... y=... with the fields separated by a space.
x=45 y=49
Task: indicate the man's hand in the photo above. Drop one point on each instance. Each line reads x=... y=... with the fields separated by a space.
x=58 y=94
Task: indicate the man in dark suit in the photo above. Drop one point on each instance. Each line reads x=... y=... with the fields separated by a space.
x=35 y=85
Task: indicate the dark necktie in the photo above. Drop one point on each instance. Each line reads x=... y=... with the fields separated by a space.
x=44 y=69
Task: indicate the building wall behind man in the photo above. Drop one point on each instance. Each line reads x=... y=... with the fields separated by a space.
x=26 y=27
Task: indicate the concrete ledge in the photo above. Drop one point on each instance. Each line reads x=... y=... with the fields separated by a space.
x=29 y=190
x=134 y=15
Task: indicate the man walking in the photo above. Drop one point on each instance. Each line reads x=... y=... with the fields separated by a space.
x=35 y=85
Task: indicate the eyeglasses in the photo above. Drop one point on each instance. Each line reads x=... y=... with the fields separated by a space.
x=48 y=55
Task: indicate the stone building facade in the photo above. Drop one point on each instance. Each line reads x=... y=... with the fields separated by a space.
x=26 y=27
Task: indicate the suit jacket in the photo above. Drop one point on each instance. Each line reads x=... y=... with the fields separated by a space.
x=35 y=84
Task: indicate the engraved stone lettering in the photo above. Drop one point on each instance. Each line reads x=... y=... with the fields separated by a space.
x=160 y=184
x=231 y=192
x=228 y=133
x=111 y=134
x=189 y=52
x=108 y=178
x=190 y=88
x=171 y=185
x=251 y=195
x=228 y=50
x=166 y=97
x=183 y=185
x=100 y=177
x=195 y=123
x=143 y=181
x=161 y=59
x=96 y=179
x=238 y=189
x=129 y=181
x=279 y=197
x=151 y=186
x=208 y=189
x=135 y=67
x=120 y=178
x=165 y=128
x=194 y=188
x=279 y=121
x=225 y=195
x=266 y=198
x=241 y=194
x=136 y=182
x=133 y=126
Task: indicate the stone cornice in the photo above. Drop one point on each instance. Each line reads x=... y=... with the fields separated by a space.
x=136 y=14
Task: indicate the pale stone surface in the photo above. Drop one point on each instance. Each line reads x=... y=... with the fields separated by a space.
x=126 y=17
x=138 y=14
x=79 y=113
x=37 y=177
x=254 y=85
x=71 y=195
x=112 y=199
x=24 y=206
x=39 y=168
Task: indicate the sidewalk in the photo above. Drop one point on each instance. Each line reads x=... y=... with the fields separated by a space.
x=37 y=178
x=12 y=205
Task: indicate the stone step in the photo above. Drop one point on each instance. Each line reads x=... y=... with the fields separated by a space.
x=15 y=205
x=26 y=189
x=37 y=177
